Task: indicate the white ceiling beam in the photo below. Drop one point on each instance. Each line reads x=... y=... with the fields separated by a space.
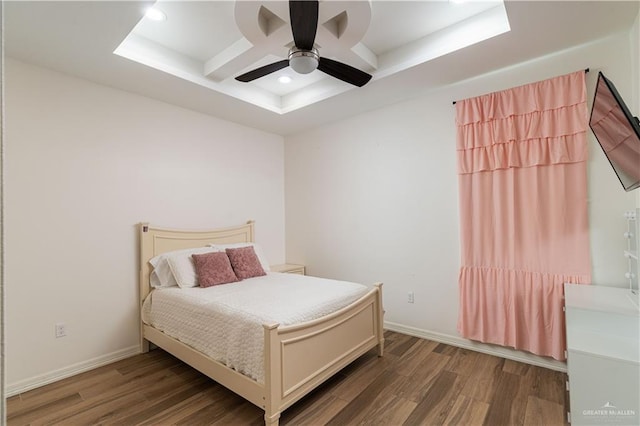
x=217 y=68
x=487 y=24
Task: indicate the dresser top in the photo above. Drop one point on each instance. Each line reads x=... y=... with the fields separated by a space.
x=601 y=298
x=602 y=321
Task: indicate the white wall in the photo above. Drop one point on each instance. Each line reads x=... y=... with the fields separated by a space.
x=85 y=164
x=375 y=197
x=3 y=404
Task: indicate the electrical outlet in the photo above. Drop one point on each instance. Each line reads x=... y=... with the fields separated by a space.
x=410 y=297
x=61 y=329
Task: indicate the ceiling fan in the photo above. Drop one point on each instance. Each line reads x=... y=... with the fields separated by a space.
x=303 y=57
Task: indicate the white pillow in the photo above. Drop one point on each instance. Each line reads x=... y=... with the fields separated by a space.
x=261 y=257
x=162 y=275
x=183 y=268
x=165 y=279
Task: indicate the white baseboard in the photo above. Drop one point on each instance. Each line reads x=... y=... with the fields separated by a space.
x=62 y=373
x=495 y=350
x=503 y=352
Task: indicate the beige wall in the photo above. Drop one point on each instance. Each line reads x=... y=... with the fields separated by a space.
x=84 y=164
x=374 y=197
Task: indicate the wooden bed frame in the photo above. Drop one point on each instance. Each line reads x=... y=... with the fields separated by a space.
x=297 y=358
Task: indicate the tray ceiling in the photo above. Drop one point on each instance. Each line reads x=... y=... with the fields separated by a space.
x=78 y=38
x=209 y=43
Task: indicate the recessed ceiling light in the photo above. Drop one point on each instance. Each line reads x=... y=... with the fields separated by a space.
x=155 y=14
x=284 y=79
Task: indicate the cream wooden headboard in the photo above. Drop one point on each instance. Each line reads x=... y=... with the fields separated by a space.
x=155 y=241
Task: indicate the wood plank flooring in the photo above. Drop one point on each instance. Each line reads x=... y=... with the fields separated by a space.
x=417 y=382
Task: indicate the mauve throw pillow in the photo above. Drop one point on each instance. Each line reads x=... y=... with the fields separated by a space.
x=213 y=269
x=245 y=262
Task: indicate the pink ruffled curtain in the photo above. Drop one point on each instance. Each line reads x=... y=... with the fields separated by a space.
x=523 y=198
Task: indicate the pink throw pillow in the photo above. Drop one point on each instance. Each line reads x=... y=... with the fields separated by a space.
x=213 y=269
x=245 y=262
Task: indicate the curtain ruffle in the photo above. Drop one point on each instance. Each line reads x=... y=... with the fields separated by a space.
x=535 y=125
x=525 y=137
x=519 y=309
x=529 y=153
x=554 y=93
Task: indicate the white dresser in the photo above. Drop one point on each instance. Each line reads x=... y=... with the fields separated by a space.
x=603 y=355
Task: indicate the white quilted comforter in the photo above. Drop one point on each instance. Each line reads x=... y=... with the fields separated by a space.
x=225 y=321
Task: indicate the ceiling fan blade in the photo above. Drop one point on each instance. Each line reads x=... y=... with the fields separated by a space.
x=304 y=22
x=262 y=71
x=344 y=72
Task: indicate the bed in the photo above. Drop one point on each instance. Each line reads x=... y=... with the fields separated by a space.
x=296 y=358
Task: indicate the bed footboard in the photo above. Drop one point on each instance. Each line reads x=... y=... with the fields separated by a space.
x=299 y=358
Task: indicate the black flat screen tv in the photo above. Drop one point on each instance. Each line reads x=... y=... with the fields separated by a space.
x=617 y=132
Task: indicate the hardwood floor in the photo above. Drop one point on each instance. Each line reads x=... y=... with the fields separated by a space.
x=417 y=382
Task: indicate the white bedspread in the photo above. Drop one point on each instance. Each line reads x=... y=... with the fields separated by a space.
x=225 y=322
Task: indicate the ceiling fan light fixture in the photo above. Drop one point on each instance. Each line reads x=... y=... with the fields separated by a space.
x=303 y=58
x=303 y=61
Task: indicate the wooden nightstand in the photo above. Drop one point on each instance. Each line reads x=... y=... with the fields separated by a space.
x=288 y=268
